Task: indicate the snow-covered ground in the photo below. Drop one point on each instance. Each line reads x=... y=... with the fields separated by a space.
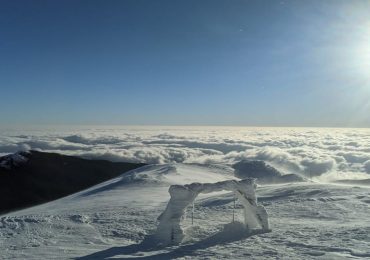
x=308 y=220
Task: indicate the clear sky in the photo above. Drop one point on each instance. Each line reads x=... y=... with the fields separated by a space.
x=193 y=62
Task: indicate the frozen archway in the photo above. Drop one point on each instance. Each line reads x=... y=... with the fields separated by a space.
x=169 y=229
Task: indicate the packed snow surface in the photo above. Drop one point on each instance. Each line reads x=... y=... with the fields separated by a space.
x=111 y=220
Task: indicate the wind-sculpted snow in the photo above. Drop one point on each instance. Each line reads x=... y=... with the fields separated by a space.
x=325 y=153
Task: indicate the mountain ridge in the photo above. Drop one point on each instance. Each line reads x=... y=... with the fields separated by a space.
x=40 y=177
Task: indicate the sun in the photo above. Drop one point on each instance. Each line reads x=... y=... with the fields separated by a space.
x=347 y=45
x=361 y=51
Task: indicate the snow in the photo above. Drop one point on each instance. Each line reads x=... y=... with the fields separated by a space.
x=116 y=219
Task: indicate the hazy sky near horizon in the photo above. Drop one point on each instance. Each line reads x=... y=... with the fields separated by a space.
x=262 y=63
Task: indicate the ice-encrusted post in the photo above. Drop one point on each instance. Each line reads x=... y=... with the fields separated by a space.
x=169 y=230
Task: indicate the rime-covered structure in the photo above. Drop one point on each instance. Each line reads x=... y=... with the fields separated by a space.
x=169 y=230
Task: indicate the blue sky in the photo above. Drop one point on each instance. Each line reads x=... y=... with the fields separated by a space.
x=256 y=63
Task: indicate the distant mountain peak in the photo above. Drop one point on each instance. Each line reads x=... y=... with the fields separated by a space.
x=13 y=160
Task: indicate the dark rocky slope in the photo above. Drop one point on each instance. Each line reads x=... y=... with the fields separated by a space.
x=30 y=178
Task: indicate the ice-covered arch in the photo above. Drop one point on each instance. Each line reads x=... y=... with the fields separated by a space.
x=169 y=230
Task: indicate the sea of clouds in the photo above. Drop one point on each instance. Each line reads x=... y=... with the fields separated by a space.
x=327 y=153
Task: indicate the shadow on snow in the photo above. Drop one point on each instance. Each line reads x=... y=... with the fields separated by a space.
x=152 y=251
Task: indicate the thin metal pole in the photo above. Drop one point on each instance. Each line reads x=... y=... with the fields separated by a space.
x=192 y=214
x=234 y=209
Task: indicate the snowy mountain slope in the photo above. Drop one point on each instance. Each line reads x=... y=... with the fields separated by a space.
x=308 y=220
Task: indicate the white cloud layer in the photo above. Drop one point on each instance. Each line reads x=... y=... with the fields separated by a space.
x=333 y=153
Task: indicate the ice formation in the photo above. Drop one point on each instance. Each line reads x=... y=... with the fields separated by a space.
x=169 y=230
